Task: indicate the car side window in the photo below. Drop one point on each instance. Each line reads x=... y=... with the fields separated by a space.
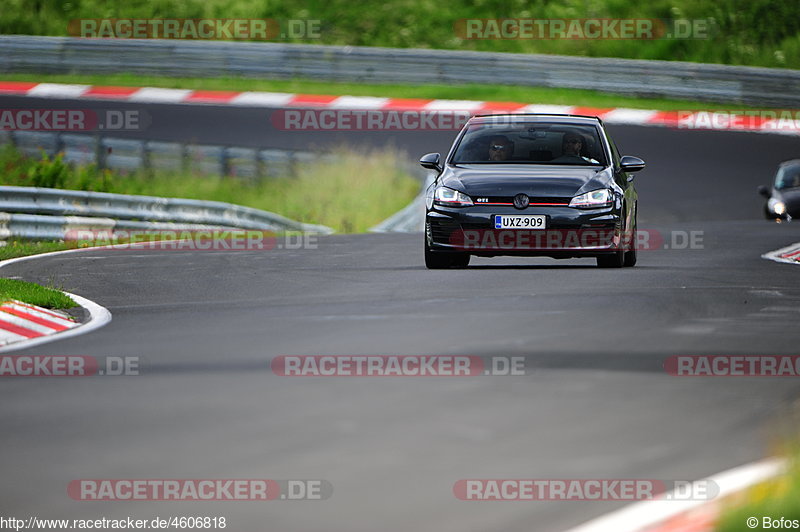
x=614 y=152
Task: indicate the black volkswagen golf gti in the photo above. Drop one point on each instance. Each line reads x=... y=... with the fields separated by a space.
x=531 y=185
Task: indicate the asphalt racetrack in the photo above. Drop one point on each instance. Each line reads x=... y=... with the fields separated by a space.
x=595 y=401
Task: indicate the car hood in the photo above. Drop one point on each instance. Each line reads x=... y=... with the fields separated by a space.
x=509 y=180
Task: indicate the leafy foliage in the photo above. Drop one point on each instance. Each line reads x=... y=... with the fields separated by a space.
x=753 y=32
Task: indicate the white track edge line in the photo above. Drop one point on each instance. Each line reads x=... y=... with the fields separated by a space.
x=98 y=314
x=474 y=105
x=638 y=516
x=775 y=255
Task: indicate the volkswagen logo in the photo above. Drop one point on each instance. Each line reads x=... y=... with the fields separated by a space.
x=521 y=201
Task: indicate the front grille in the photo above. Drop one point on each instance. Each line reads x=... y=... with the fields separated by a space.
x=440 y=230
x=477 y=226
x=533 y=199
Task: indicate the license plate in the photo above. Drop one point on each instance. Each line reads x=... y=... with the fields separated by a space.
x=520 y=221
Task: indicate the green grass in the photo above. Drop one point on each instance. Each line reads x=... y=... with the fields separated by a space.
x=21 y=248
x=753 y=32
x=350 y=193
x=34 y=294
x=503 y=93
x=777 y=498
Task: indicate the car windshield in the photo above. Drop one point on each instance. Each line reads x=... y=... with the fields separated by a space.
x=530 y=143
x=788 y=177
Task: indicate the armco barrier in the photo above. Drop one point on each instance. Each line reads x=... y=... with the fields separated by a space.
x=670 y=79
x=44 y=213
x=44 y=227
x=411 y=218
x=78 y=149
x=129 y=155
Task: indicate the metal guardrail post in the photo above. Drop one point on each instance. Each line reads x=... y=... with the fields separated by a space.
x=100 y=156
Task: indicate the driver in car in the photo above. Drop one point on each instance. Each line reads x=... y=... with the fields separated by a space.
x=500 y=148
x=571 y=147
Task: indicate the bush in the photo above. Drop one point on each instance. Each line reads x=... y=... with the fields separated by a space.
x=755 y=32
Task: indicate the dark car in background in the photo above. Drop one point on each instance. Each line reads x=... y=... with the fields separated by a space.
x=531 y=185
x=783 y=197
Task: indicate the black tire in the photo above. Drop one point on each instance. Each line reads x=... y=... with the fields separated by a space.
x=630 y=258
x=460 y=260
x=630 y=255
x=436 y=261
x=440 y=260
x=617 y=260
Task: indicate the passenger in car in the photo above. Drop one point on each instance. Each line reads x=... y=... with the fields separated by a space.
x=572 y=146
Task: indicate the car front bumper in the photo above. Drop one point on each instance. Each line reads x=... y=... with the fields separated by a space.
x=570 y=232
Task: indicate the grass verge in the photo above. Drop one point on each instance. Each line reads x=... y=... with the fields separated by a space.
x=21 y=248
x=502 y=93
x=349 y=192
x=755 y=32
x=773 y=499
x=34 y=294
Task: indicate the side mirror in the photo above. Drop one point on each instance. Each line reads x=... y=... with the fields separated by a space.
x=431 y=161
x=629 y=163
x=764 y=191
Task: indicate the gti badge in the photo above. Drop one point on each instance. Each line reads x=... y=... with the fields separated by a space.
x=521 y=201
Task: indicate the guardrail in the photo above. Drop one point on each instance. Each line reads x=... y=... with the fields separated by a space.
x=128 y=155
x=42 y=213
x=45 y=213
x=411 y=218
x=671 y=79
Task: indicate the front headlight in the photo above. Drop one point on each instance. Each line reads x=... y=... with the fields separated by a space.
x=593 y=199
x=451 y=198
x=779 y=207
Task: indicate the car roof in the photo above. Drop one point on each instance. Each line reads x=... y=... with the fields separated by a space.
x=527 y=117
x=790 y=162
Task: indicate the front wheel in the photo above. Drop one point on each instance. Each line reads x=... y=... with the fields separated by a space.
x=630 y=255
x=460 y=260
x=617 y=260
x=440 y=260
x=630 y=258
